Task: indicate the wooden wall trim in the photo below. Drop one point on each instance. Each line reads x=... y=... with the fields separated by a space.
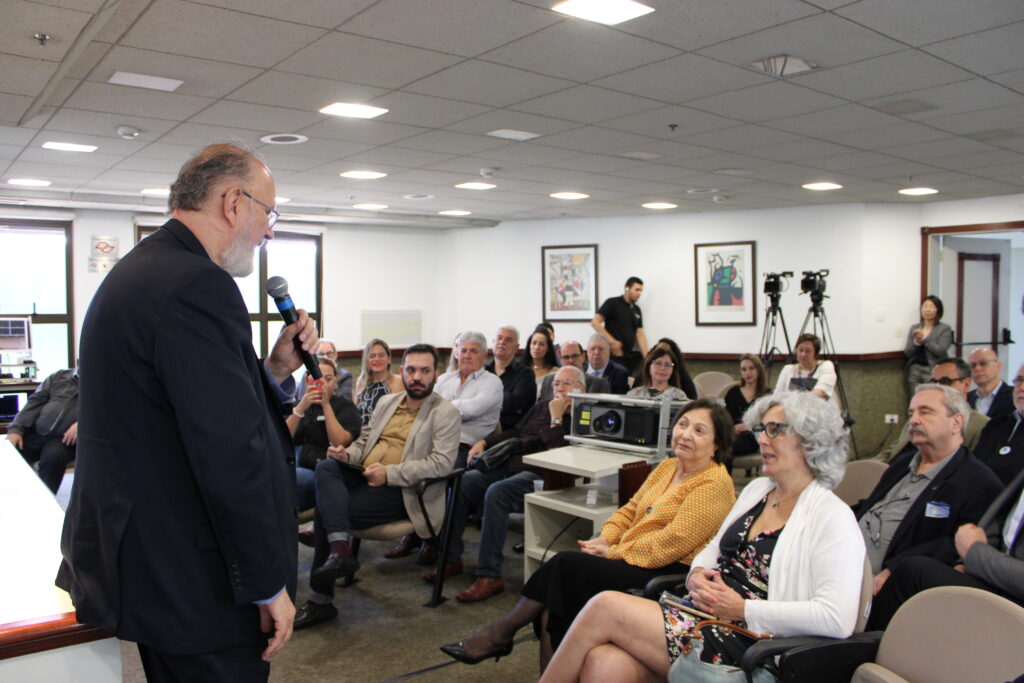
x=841 y=357
x=26 y=637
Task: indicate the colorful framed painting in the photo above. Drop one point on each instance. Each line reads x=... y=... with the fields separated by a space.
x=725 y=281
x=569 y=282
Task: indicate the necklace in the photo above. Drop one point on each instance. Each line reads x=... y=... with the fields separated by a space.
x=779 y=500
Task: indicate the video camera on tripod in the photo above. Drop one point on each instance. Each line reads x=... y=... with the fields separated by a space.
x=773 y=283
x=813 y=283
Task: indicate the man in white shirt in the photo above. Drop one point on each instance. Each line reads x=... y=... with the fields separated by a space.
x=477 y=393
x=992 y=397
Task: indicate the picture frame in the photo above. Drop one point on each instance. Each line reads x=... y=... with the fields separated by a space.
x=725 y=283
x=569 y=282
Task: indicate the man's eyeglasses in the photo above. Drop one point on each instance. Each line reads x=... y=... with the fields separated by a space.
x=571 y=356
x=772 y=429
x=947 y=381
x=272 y=213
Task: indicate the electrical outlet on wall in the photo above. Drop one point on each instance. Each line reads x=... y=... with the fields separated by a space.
x=897 y=332
x=892 y=419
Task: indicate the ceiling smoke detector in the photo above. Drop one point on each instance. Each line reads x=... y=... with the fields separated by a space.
x=128 y=132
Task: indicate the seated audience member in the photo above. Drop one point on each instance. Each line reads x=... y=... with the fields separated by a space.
x=539 y=355
x=328 y=350
x=600 y=364
x=926 y=493
x=476 y=393
x=501 y=489
x=659 y=531
x=1001 y=445
x=927 y=342
x=685 y=381
x=375 y=378
x=413 y=435
x=659 y=376
x=991 y=558
x=753 y=385
x=520 y=387
x=949 y=372
x=991 y=396
x=786 y=562
x=572 y=354
x=46 y=428
x=808 y=373
x=551 y=333
x=320 y=419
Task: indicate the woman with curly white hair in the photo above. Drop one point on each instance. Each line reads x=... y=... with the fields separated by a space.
x=787 y=561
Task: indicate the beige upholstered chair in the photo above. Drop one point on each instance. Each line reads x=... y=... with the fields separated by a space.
x=709 y=384
x=861 y=478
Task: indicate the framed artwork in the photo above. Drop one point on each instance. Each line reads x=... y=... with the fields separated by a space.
x=569 y=282
x=725 y=279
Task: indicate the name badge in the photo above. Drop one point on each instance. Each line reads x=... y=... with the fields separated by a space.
x=936 y=510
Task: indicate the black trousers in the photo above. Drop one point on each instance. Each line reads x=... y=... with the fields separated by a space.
x=240 y=664
x=912 y=576
x=52 y=455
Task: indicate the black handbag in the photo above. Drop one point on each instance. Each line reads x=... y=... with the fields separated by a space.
x=495 y=456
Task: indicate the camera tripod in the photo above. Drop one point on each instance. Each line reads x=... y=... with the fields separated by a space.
x=817 y=321
x=772 y=321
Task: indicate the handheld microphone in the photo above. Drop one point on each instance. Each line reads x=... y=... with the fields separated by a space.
x=277 y=289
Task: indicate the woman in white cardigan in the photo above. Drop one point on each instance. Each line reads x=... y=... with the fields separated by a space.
x=787 y=561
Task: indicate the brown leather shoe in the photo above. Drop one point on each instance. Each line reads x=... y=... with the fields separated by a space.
x=404 y=547
x=451 y=569
x=483 y=588
x=428 y=554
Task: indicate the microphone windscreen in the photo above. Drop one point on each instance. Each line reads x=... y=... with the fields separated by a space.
x=277 y=287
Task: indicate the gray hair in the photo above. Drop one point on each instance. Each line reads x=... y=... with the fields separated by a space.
x=954 y=401
x=473 y=338
x=818 y=426
x=578 y=375
x=599 y=337
x=512 y=329
x=208 y=167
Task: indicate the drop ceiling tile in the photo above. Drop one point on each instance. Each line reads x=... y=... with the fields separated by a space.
x=540 y=174
x=849 y=162
x=108 y=144
x=662 y=174
x=579 y=50
x=396 y=156
x=136 y=180
x=691 y=26
x=740 y=138
x=471 y=165
x=498 y=119
x=594 y=139
x=983 y=188
x=322 y=13
x=683 y=78
x=25 y=76
x=919 y=22
x=258 y=117
x=886 y=75
x=56 y=172
x=461 y=27
x=898 y=168
x=204 y=77
x=935 y=149
x=448 y=142
x=884 y=137
x=592 y=180
x=587 y=104
x=96 y=160
x=422 y=110
x=278 y=157
x=120 y=99
x=823 y=39
x=597 y=163
x=988 y=52
x=215 y=33
x=965 y=162
x=773 y=100
x=297 y=91
x=166 y=166
x=996 y=118
x=198 y=135
x=64 y=25
x=1007 y=173
x=658 y=122
x=716 y=162
x=486 y=83
x=954 y=98
x=166 y=151
x=805 y=148
x=360 y=130
x=13 y=135
x=654 y=191
x=69 y=120
x=828 y=122
x=527 y=153
x=1011 y=79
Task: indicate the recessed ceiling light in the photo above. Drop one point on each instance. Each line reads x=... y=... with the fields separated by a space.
x=702 y=190
x=916 y=191
x=355 y=111
x=69 y=147
x=783 y=65
x=512 y=134
x=29 y=182
x=281 y=200
x=476 y=186
x=569 y=195
x=822 y=186
x=156 y=192
x=454 y=212
x=284 y=139
x=363 y=175
x=660 y=205
x=608 y=12
x=643 y=156
x=144 y=81
x=417 y=196
x=369 y=206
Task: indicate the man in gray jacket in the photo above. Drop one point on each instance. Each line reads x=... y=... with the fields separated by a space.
x=46 y=429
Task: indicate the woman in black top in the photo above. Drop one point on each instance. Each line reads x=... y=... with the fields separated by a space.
x=753 y=384
x=321 y=419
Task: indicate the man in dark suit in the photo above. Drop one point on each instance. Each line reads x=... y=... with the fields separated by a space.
x=992 y=397
x=1001 y=444
x=572 y=354
x=181 y=531
x=600 y=364
x=925 y=494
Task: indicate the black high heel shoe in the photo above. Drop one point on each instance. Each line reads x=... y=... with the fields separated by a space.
x=456 y=651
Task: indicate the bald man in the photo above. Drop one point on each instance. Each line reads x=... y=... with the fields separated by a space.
x=992 y=396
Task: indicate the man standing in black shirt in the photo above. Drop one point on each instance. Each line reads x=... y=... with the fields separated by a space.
x=621 y=321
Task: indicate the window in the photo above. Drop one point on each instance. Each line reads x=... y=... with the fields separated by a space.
x=35 y=283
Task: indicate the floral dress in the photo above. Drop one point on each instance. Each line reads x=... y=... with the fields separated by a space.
x=368 y=400
x=743 y=566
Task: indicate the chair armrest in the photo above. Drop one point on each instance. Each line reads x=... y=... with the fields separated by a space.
x=665 y=582
x=814 y=658
x=422 y=484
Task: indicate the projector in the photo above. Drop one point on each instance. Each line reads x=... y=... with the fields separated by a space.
x=612 y=421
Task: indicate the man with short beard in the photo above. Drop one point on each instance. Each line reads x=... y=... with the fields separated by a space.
x=412 y=436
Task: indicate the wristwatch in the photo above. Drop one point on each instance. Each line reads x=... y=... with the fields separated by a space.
x=556 y=422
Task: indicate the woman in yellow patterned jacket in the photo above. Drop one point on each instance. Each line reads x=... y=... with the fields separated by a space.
x=659 y=531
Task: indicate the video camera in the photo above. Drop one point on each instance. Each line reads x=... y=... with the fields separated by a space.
x=813 y=283
x=773 y=282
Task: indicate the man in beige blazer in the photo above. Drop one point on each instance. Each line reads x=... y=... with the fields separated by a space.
x=412 y=436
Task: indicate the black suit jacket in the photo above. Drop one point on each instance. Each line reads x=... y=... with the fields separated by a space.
x=996 y=436
x=520 y=392
x=1001 y=405
x=183 y=509
x=617 y=376
x=965 y=484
